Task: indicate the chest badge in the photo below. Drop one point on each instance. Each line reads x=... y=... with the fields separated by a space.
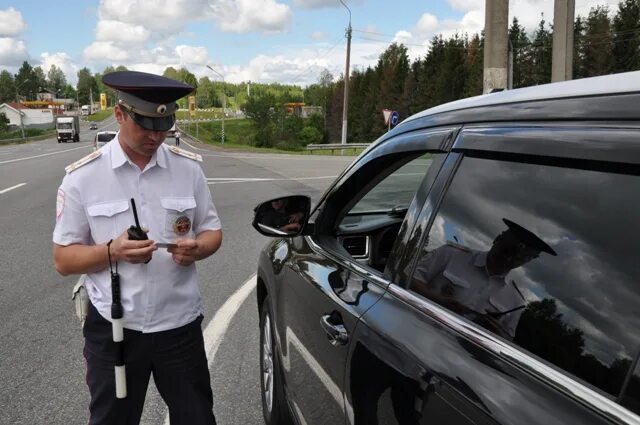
x=182 y=225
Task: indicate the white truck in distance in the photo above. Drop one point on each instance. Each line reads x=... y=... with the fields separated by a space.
x=68 y=128
x=86 y=110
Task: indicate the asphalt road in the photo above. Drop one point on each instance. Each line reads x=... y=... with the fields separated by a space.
x=41 y=364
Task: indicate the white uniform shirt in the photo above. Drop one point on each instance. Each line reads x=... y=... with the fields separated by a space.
x=461 y=274
x=173 y=201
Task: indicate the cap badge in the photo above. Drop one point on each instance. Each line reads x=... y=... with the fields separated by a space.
x=161 y=109
x=182 y=225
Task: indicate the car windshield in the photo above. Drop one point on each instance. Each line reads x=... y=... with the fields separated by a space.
x=64 y=125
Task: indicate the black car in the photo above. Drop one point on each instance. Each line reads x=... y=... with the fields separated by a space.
x=479 y=264
x=93 y=126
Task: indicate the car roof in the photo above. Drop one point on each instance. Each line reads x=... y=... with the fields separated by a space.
x=628 y=82
x=606 y=98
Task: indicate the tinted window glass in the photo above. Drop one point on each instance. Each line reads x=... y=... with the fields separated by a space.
x=546 y=257
x=397 y=189
x=105 y=137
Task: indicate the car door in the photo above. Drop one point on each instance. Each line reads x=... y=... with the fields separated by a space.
x=329 y=279
x=568 y=353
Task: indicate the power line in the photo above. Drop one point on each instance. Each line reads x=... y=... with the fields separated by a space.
x=329 y=50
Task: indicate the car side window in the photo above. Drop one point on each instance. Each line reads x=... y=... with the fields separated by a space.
x=370 y=221
x=546 y=257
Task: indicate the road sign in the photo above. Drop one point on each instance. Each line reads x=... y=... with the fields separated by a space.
x=386 y=113
x=394 y=118
x=192 y=106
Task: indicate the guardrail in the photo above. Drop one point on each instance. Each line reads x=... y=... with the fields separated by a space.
x=336 y=146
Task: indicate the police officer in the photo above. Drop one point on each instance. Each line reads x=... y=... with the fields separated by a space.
x=473 y=284
x=159 y=288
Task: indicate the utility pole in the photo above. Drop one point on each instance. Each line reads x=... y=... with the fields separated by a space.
x=562 y=53
x=345 y=108
x=496 y=30
x=224 y=102
x=19 y=108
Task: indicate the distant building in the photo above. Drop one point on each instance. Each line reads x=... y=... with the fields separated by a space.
x=31 y=118
x=301 y=110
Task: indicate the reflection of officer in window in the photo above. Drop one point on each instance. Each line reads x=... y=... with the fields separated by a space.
x=279 y=216
x=472 y=283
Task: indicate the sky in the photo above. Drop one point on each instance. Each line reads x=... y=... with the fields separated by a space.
x=285 y=41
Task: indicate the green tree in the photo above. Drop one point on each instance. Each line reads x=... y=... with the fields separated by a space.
x=626 y=38
x=309 y=135
x=391 y=73
x=56 y=80
x=68 y=92
x=4 y=122
x=579 y=64
x=87 y=86
x=7 y=87
x=598 y=47
x=260 y=110
x=540 y=55
x=521 y=46
x=26 y=82
x=474 y=71
x=41 y=79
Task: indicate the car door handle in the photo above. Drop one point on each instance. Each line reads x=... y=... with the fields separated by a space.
x=336 y=333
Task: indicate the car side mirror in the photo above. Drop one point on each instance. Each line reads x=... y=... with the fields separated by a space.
x=282 y=217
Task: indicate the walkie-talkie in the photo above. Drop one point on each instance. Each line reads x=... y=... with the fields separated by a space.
x=135 y=232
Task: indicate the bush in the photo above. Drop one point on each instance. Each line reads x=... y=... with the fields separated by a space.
x=309 y=135
x=4 y=121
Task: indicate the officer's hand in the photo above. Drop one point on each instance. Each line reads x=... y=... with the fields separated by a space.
x=135 y=252
x=185 y=253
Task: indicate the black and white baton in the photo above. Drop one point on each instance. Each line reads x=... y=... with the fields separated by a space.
x=117 y=327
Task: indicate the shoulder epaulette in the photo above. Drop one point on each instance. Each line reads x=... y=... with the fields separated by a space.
x=82 y=161
x=458 y=246
x=187 y=154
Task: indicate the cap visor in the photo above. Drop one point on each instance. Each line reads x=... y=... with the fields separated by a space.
x=154 y=124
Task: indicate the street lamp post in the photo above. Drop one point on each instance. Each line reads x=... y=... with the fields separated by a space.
x=224 y=101
x=18 y=101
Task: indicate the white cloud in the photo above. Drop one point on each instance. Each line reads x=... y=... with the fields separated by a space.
x=315 y=4
x=240 y=16
x=121 y=32
x=62 y=61
x=11 y=23
x=426 y=24
x=193 y=55
x=318 y=35
x=12 y=52
x=101 y=51
x=163 y=17
x=402 y=37
x=465 y=5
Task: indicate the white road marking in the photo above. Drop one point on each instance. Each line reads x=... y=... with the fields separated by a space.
x=44 y=154
x=11 y=188
x=217 y=327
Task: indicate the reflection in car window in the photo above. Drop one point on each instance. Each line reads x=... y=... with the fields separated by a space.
x=105 y=137
x=397 y=189
x=543 y=256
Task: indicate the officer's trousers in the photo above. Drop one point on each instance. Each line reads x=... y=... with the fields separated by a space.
x=176 y=358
